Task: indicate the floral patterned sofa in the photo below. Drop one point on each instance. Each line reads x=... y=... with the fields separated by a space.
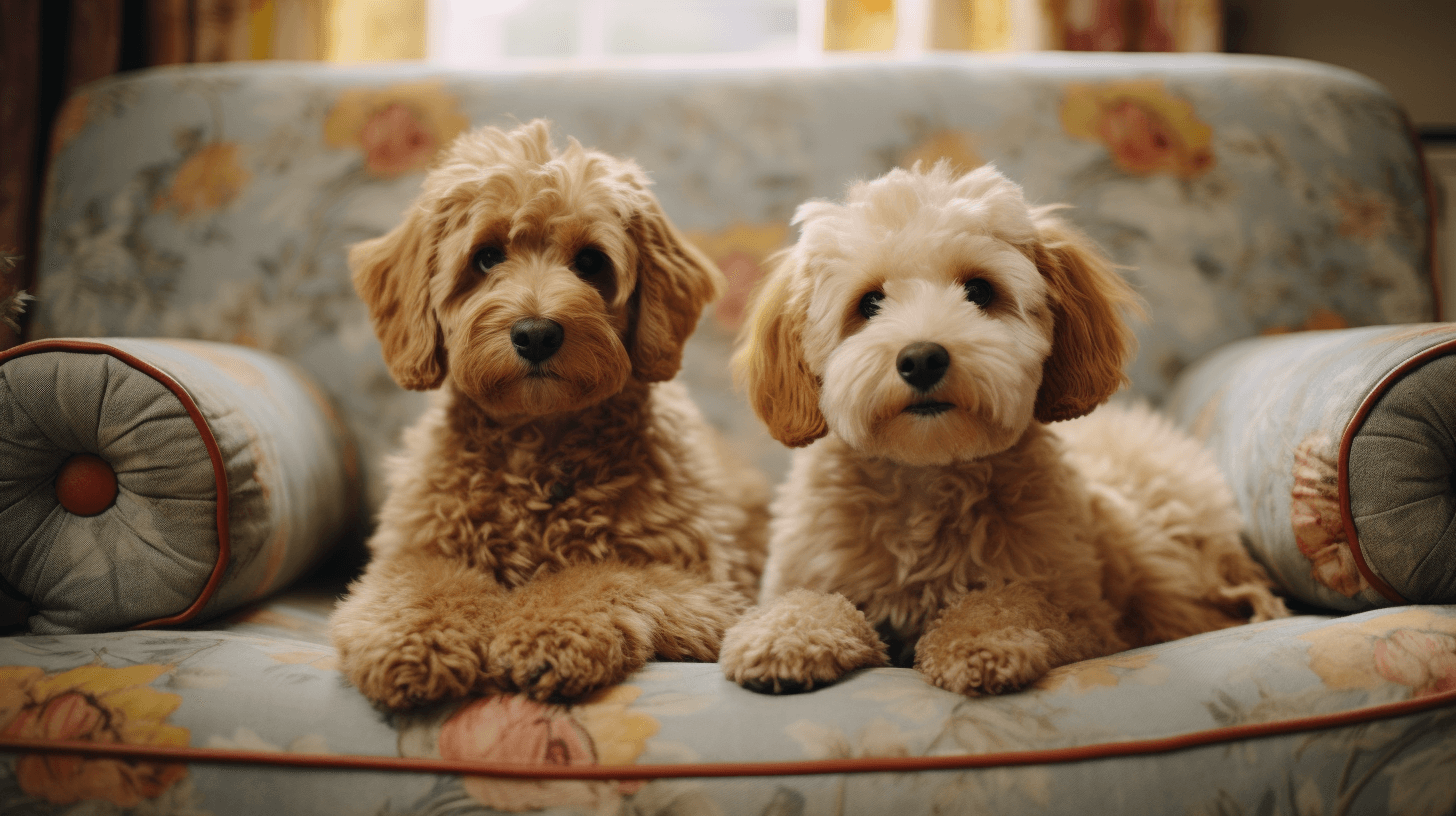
x=184 y=669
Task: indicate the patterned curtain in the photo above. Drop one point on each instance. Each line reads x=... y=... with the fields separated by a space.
x=48 y=48
x=1006 y=25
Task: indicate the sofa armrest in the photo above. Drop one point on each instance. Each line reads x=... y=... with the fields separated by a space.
x=1340 y=446
x=157 y=482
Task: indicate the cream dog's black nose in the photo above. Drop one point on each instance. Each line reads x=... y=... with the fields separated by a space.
x=536 y=338
x=922 y=365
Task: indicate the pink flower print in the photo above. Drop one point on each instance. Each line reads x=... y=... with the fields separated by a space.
x=1425 y=661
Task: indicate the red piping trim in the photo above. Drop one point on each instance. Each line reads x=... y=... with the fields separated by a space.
x=1343 y=472
x=1159 y=745
x=224 y=548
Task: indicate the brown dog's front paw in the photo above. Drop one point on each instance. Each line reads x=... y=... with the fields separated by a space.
x=420 y=668
x=562 y=659
x=994 y=663
x=801 y=641
x=413 y=630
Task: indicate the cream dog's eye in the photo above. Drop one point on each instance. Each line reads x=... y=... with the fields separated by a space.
x=591 y=262
x=488 y=256
x=980 y=292
x=869 y=305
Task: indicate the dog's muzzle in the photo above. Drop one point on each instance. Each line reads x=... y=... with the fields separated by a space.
x=536 y=338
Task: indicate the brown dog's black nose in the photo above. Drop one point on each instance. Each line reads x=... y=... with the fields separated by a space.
x=922 y=365
x=536 y=338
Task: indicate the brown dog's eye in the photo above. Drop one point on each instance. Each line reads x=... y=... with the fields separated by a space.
x=591 y=262
x=869 y=305
x=979 y=292
x=488 y=256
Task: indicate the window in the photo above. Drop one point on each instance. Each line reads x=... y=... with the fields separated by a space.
x=481 y=33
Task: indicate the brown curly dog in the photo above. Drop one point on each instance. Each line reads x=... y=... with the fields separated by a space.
x=561 y=513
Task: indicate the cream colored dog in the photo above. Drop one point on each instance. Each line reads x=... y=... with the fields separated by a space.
x=560 y=514
x=924 y=332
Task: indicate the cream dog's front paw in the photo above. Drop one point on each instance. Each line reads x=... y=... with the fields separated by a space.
x=797 y=642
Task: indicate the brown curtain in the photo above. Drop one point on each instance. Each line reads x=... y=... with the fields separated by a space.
x=1012 y=25
x=50 y=47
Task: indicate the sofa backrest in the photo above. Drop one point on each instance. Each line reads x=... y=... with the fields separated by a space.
x=1245 y=195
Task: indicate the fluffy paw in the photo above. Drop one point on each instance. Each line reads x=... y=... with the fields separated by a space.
x=420 y=668
x=413 y=633
x=549 y=659
x=992 y=663
x=798 y=642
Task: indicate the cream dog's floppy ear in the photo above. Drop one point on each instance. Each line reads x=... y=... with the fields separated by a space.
x=675 y=280
x=392 y=274
x=770 y=361
x=1091 y=342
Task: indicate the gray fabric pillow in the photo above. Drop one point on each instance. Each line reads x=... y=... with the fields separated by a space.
x=152 y=482
x=1341 y=449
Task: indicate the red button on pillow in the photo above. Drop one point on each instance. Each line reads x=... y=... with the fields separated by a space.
x=86 y=484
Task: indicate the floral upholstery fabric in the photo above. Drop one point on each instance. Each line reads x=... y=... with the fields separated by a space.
x=178 y=422
x=1310 y=714
x=1244 y=194
x=1341 y=449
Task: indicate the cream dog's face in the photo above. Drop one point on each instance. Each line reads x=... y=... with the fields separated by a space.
x=930 y=319
x=538 y=281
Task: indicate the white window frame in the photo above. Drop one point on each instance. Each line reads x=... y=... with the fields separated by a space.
x=471 y=34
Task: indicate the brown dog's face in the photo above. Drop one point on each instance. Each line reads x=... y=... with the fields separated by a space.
x=537 y=281
x=930 y=319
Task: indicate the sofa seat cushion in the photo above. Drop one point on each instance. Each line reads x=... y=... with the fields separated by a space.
x=1311 y=712
x=152 y=482
x=1341 y=449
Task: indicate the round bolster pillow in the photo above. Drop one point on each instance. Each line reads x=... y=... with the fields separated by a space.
x=156 y=482
x=1341 y=449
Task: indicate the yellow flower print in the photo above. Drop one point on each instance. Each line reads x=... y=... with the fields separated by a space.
x=619 y=735
x=399 y=128
x=1147 y=130
x=1104 y=672
x=741 y=252
x=953 y=146
x=95 y=704
x=319 y=659
x=208 y=180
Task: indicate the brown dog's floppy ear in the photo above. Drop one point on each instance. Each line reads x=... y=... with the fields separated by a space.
x=675 y=280
x=770 y=362
x=392 y=274
x=1091 y=342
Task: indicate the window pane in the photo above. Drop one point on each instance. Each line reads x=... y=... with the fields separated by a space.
x=544 y=28
x=701 y=26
